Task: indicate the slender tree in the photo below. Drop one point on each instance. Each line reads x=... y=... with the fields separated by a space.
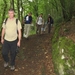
x=67 y=9
x=4 y=10
x=18 y=8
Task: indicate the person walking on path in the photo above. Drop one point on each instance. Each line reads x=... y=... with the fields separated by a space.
x=49 y=22
x=39 y=23
x=10 y=39
x=27 y=25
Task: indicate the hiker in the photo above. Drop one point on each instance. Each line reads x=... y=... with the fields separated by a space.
x=10 y=39
x=40 y=23
x=27 y=25
x=49 y=22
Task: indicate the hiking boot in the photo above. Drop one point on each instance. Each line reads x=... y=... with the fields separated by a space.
x=12 y=68
x=6 y=64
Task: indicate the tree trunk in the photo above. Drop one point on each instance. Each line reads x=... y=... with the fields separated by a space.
x=35 y=6
x=63 y=9
x=18 y=8
x=21 y=17
x=21 y=12
x=4 y=10
x=12 y=4
x=67 y=9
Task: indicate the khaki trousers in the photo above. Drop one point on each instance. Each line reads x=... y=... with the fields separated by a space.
x=39 y=29
x=26 y=30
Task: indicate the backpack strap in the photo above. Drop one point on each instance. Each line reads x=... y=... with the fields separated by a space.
x=17 y=24
x=6 y=20
x=17 y=21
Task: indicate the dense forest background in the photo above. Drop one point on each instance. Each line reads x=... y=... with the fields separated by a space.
x=60 y=10
x=58 y=47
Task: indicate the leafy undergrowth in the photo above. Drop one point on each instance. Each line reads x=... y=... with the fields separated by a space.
x=64 y=49
x=34 y=57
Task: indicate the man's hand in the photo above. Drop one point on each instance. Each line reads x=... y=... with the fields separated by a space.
x=2 y=40
x=18 y=44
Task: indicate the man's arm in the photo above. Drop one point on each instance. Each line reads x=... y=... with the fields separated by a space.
x=31 y=19
x=19 y=37
x=2 y=35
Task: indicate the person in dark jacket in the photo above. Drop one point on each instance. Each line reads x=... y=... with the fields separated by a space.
x=49 y=22
x=27 y=25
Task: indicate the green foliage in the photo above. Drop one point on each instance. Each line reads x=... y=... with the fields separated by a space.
x=63 y=56
x=52 y=7
x=33 y=31
x=56 y=33
x=63 y=53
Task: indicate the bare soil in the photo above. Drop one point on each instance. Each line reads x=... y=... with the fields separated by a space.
x=34 y=57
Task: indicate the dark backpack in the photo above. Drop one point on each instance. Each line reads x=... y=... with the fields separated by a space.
x=7 y=19
x=51 y=20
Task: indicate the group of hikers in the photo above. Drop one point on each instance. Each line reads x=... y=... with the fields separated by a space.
x=11 y=35
x=40 y=24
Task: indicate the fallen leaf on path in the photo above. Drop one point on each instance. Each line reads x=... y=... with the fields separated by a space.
x=16 y=69
x=46 y=56
x=22 y=67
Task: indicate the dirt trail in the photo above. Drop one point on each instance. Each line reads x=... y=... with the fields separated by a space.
x=34 y=58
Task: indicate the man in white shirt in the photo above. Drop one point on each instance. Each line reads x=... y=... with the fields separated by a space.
x=40 y=23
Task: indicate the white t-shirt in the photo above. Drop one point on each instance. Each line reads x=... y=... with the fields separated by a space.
x=40 y=21
x=27 y=18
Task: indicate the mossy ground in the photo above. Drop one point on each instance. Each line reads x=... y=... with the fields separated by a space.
x=63 y=45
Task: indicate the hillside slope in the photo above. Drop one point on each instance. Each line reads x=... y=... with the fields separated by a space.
x=68 y=29
x=63 y=46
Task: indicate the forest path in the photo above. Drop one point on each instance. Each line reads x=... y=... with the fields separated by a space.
x=34 y=57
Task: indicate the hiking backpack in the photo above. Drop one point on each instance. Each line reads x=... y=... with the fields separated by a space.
x=52 y=21
x=7 y=19
x=16 y=22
